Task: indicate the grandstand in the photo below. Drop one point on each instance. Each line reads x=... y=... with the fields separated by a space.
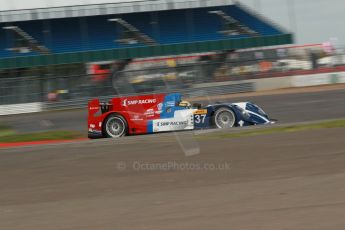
x=78 y=34
x=74 y=52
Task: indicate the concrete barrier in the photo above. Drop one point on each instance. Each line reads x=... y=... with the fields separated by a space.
x=284 y=82
x=318 y=79
x=338 y=78
x=272 y=83
x=310 y=80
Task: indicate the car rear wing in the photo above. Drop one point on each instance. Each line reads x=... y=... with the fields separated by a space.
x=94 y=106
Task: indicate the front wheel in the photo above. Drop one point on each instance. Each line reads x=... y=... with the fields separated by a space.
x=115 y=126
x=224 y=118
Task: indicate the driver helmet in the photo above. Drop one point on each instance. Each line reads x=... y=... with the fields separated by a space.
x=184 y=104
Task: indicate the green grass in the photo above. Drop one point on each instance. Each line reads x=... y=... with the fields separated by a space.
x=5 y=130
x=283 y=129
x=7 y=135
x=40 y=136
x=4 y=127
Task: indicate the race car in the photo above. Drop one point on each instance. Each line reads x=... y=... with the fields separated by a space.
x=156 y=113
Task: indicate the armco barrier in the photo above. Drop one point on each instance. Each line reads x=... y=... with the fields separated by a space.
x=21 y=108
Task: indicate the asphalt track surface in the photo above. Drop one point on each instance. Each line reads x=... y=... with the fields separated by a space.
x=182 y=181
x=269 y=182
x=294 y=106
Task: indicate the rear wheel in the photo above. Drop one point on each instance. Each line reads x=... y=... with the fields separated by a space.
x=115 y=126
x=224 y=118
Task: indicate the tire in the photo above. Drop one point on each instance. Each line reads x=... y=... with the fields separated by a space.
x=115 y=126
x=224 y=118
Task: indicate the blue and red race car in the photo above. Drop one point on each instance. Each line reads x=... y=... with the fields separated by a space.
x=166 y=112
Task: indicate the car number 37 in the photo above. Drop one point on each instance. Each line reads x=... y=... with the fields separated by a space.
x=199 y=118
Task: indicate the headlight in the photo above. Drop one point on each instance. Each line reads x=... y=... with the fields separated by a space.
x=244 y=113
